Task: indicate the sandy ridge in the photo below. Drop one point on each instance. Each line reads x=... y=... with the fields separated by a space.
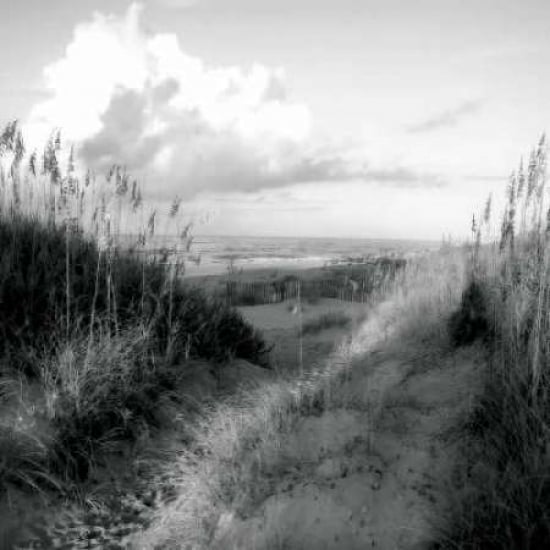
x=371 y=470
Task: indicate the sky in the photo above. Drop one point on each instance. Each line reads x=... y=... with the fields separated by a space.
x=342 y=118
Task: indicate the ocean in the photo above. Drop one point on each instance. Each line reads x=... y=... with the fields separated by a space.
x=213 y=255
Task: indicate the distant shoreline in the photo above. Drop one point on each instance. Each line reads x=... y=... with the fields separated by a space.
x=220 y=255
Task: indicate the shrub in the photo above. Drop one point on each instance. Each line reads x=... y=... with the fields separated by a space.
x=33 y=297
x=33 y=287
x=470 y=322
x=214 y=330
x=101 y=394
x=104 y=331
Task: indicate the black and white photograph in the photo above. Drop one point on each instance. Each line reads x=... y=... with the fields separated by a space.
x=274 y=274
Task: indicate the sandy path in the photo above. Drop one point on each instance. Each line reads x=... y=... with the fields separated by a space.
x=370 y=470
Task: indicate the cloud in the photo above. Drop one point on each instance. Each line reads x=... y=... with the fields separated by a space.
x=486 y=177
x=176 y=4
x=448 y=118
x=138 y=99
x=405 y=177
x=14 y=91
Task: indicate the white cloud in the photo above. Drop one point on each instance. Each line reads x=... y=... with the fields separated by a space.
x=139 y=99
x=176 y=4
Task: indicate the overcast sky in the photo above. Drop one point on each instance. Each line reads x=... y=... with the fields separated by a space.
x=367 y=118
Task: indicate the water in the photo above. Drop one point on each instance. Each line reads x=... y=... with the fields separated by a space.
x=214 y=254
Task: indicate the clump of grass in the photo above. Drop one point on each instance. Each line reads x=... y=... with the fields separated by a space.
x=101 y=395
x=506 y=487
x=331 y=319
x=25 y=459
x=25 y=442
x=470 y=321
x=103 y=331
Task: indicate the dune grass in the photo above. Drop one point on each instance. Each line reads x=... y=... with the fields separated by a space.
x=504 y=486
x=239 y=440
x=103 y=337
x=99 y=334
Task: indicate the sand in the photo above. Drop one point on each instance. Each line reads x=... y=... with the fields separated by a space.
x=28 y=517
x=372 y=470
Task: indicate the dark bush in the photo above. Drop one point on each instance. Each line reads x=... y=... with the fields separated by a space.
x=470 y=322
x=211 y=329
x=33 y=299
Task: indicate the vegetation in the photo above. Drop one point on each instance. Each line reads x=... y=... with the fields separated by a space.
x=326 y=321
x=242 y=438
x=505 y=486
x=470 y=321
x=95 y=337
x=95 y=340
x=353 y=282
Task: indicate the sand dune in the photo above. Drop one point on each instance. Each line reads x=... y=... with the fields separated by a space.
x=370 y=470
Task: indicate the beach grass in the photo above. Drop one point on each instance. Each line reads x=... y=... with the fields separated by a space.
x=502 y=498
x=240 y=439
x=99 y=336
x=97 y=340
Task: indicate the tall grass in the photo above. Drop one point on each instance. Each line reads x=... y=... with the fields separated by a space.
x=240 y=440
x=102 y=333
x=505 y=486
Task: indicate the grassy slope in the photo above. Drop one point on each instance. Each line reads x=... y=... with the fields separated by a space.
x=241 y=440
x=503 y=488
x=98 y=347
x=83 y=297
x=94 y=342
